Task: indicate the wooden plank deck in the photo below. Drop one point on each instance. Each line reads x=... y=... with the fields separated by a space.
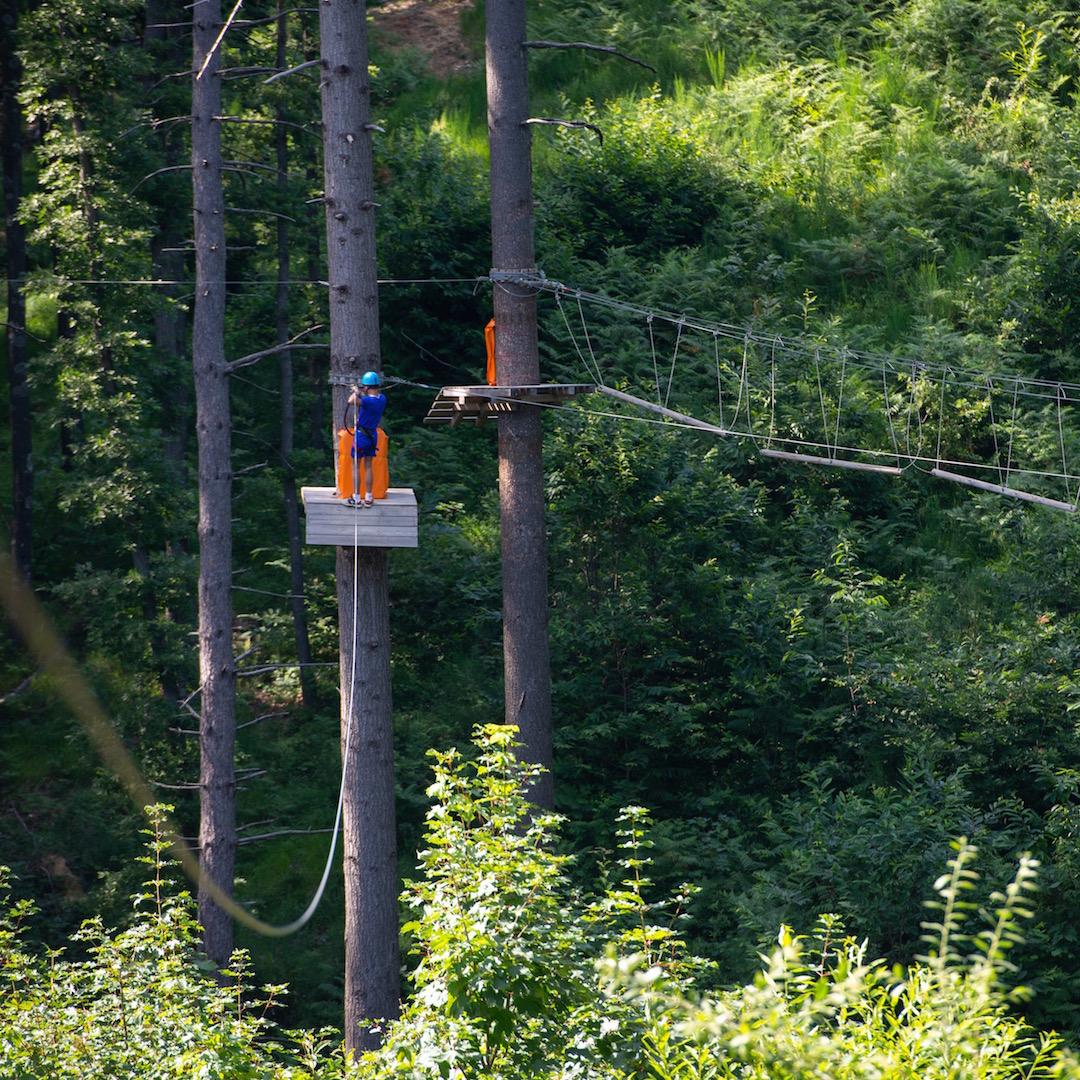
x=389 y=522
x=474 y=404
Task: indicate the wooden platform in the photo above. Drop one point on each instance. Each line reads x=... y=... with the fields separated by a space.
x=474 y=404
x=389 y=522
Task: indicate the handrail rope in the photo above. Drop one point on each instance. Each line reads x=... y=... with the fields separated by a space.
x=1064 y=459
x=655 y=367
x=1012 y=432
x=719 y=381
x=674 y=360
x=588 y=342
x=993 y=426
x=840 y=397
x=807 y=444
x=941 y=415
x=868 y=361
x=772 y=391
x=821 y=395
x=569 y=330
x=888 y=416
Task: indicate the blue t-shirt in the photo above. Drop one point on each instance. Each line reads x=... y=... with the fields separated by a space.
x=370 y=411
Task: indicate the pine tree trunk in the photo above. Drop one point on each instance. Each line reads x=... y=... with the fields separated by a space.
x=526 y=650
x=217 y=826
x=372 y=983
x=285 y=372
x=11 y=152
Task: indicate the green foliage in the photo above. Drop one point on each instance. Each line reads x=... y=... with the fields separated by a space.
x=520 y=976
x=140 y=1004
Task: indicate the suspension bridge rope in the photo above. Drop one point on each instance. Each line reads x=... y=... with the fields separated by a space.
x=873 y=407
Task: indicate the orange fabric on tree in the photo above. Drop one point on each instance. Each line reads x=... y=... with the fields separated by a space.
x=489 y=337
x=380 y=469
x=344 y=463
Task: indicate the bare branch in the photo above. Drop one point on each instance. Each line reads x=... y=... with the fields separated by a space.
x=265 y=213
x=246 y=652
x=292 y=71
x=255 y=357
x=588 y=47
x=158 y=172
x=155 y=124
x=254 y=120
x=252 y=165
x=253 y=824
x=243 y=472
x=259 y=720
x=242 y=840
x=22 y=330
x=266 y=592
x=247 y=24
x=175 y=787
x=14 y=693
x=566 y=124
x=172 y=75
x=264 y=669
x=244 y=72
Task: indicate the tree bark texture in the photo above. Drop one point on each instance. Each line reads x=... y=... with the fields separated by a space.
x=285 y=372
x=217 y=779
x=372 y=962
x=372 y=986
x=526 y=649
x=11 y=152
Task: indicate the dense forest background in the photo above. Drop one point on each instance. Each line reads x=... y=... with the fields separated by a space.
x=814 y=679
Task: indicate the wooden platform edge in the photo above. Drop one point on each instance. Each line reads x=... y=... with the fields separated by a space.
x=474 y=404
x=389 y=522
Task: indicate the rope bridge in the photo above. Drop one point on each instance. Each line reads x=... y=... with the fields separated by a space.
x=814 y=404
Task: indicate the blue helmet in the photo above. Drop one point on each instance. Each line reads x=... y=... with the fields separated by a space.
x=371 y=378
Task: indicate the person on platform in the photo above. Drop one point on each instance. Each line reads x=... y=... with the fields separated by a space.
x=370 y=404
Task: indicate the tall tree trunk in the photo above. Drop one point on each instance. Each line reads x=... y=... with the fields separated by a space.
x=217 y=780
x=11 y=151
x=371 y=883
x=285 y=369
x=526 y=651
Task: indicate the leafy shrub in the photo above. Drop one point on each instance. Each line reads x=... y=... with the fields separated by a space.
x=141 y=1004
x=519 y=976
